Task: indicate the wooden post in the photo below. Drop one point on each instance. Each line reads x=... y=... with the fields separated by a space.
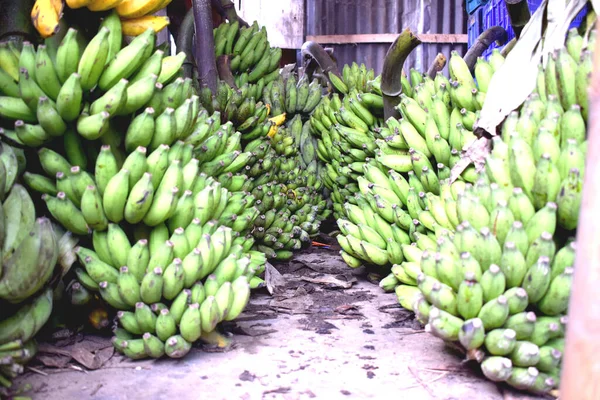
x=581 y=366
x=205 y=45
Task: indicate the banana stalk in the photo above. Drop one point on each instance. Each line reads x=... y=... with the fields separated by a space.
x=518 y=11
x=391 y=85
x=494 y=34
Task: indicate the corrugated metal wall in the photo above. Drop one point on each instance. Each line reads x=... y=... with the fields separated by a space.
x=338 y=17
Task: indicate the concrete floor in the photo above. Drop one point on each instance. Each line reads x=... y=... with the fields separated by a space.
x=309 y=339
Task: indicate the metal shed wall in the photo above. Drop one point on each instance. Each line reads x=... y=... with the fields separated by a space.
x=338 y=17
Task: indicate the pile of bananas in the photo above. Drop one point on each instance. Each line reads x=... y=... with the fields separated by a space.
x=486 y=261
x=251 y=56
x=415 y=151
x=292 y=96
x=284 y=179
x=240 y=107
x=51 y=95
x=135 y=15
x=30 y=251
x=355 y=77
x=180 y=278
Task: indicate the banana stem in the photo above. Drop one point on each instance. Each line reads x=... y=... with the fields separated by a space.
x=437 y=65
x=224 y=68
x=185 y=40
x=491 y=35
x=312 y=52
x=226 y=9
x=205 y=45
x=391 y=86
x=518 y=11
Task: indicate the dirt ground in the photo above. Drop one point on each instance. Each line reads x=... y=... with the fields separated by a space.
x=321 y=331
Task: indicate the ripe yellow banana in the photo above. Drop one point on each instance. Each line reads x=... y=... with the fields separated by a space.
x=136 y=8
x=45 y=18
x=103 y=5
x=137 y=26
x=78 y=3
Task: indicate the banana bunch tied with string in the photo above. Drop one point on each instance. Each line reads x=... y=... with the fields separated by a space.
x=286 y=184
x=355 y=77
x=543 y=145
x=29 y=249
x=173 y=286
x=50 y=96
x=251 y=56
x=292 y=95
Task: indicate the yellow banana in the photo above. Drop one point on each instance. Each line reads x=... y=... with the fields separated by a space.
x=137 y=26
x=136 y=8
x=45 y=18
x=103 y=5
x=78 y=3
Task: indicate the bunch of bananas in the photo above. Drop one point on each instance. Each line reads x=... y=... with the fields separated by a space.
x=30 y=251
x=355 y=77
x=499 y=288
x=486 y=261
x=252 y=58
x=135 y=15
x=240 y=107
x=53 y=96
x=543 y=146
x=292 y=96
x=173 y=286
x=284 y=178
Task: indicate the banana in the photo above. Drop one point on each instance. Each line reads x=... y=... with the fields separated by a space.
x=45 y=73
x=177 y=347
x=45 y=18
x=151 y=286
x=64 y=211
x=94 y=58
x=114 y=197
x=92 y=209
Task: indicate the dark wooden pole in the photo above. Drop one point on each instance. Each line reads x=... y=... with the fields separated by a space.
x=205 y=45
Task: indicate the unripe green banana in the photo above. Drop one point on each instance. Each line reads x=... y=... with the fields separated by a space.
x=118 y=244
x=128 y=286
x=472 y=334
x=146 y=319
x=494 y=313
x=127 y=60
x=64 y=211
x=189 y=326
x=497 y=369
x=522 y=323
x=177 y=347
x=93 y=59
x=92 y=210
x=525 y=354
x=500 y=342
x=49 y=118
x=443 y=324
x=128 y=322
x=556 y=299
x=469 y=297
x=115 y=196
